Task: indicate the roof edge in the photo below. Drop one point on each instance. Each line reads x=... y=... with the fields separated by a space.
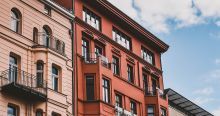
x=163 y=46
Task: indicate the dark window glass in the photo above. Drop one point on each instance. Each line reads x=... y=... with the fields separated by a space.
x=115 y=63
x=13 y=69
x=85 y=49
x=55 y=114
x=118 y=100
x=98 y=51
x=130 y=73
x=106 y=90
x=90 y=88
x=40 y=73
x=35 y=35
x=92 y=19
x=12 y=111
x=55 y=78
x=147 y=56
x=121 y=38
x=47 y=10
x=154 y=86
x=145 y=82
x=133 y=107
x=163 y=112
x=150 y=110
x=39 y=113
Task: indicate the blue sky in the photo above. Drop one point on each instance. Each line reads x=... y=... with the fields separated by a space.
x=192 y=29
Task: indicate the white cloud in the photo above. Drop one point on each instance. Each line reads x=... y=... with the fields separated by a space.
x=216 y=112
x=208 y=8
x=162 y=15
x=203 y=100
x=205 y=91
x=125 y=7
x=158 y=13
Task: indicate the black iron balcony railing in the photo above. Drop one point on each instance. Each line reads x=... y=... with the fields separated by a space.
x=50 y=42
x=155 y=92
x=92 y=58
x=15 y=81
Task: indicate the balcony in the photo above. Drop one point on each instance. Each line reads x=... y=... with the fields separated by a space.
x=23 y=85
x=51 y=42
x=157 y=92
x=93 y=58
x=122 y=112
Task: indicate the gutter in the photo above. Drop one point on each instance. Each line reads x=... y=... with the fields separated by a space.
x=73 y=60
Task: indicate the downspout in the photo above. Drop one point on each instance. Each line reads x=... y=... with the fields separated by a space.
x=73 y=60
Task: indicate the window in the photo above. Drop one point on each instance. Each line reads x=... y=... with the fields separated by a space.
x=130 y=73
x=150 y=110
x=55 y=78
x=46 y=36
x=155 y=85
x=16 y=20
x=147 y=56
x=12 y=110
x=47 y=10
x=40 y=73
x=98 y=51
x=55 y=114
x=115 y=63
x=121 y=38
x=90 y=88
x=92 y=19
x=35 y=35
x=106 y=90
x=163 y=112
x=133 y=107
x=85 y=49
x=39 y=112
x=145 y=82
x=118 y=100
x=13 y=69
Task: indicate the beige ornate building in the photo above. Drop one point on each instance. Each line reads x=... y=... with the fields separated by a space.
x=35 y=58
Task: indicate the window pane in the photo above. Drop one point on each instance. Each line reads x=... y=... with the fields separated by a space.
x=91 y=18
x=12 y=111
x=121 y=38
x=90 y=87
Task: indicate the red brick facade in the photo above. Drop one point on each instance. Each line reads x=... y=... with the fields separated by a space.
x=115 y=72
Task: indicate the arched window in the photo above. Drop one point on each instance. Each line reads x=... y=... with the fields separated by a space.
x=15 y=20
x=35 y=35
x=39 y=112
x=40 y=73
x=46 y=36
x=55 y=114
x=58 y=45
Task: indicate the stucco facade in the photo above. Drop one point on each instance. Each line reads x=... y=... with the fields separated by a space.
x=43 y=90
x=95 y=22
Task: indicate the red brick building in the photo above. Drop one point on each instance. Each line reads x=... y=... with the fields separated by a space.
x=117 y=63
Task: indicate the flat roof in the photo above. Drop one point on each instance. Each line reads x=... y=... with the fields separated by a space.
x=183 y=104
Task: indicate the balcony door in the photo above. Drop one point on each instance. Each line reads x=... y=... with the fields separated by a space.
x=13 y=69
x=85 y=49
x=154 y=86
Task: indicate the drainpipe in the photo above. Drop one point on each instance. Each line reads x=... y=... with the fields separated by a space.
x=73 y=60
